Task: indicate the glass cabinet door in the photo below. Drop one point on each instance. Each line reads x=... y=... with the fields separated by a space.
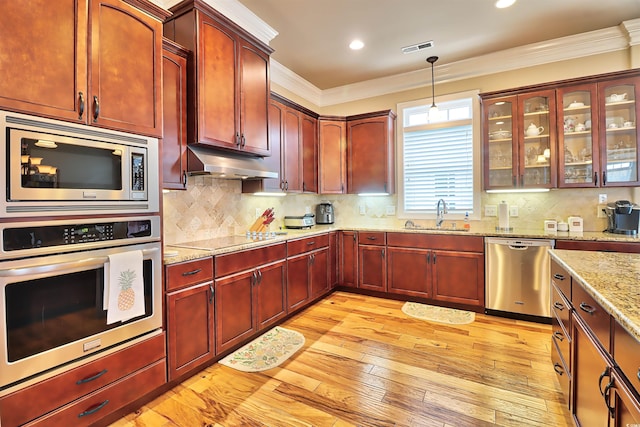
x=537 y=147
x=499 y=154
x=618 y=134
x=577 y=124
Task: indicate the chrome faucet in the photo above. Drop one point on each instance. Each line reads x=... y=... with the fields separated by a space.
x=441 y=209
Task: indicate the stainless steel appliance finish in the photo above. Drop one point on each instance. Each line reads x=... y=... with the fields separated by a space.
x=324 y=213
x=52 y=293
x=517 y=277
x=57 y=168
x=623 y=217
x=225 y=165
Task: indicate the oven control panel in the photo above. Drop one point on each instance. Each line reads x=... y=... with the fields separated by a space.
x=28 y=237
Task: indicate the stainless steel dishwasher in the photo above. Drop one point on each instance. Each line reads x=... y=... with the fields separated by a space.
x=517 y=281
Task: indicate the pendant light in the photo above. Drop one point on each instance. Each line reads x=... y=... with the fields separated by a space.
x=434 y=109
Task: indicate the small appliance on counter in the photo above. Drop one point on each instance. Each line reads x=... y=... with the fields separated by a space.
x=623 y=217
x=305 y=221
x=324 y=213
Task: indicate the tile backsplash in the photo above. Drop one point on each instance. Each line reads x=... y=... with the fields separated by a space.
x=212 y=207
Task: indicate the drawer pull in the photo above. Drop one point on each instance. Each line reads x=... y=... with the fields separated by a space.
x=558 y=276
x=638 y=374
x=558 y=305
x=558 y=368
x=311 y=243
x=93 y=410
x=587 y=308
x=372 y=238
x=91 y=378
x=192 y=272
x=559 y=335
x=603 y=375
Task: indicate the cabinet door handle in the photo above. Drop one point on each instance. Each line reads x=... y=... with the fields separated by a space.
x=96 y=108
x=259 y=276
x=604 y=178
x=286 y=186
x=587 y=308
x=558 y=368
x=558 y=305
x=434 y=257
x=254 y=278
x=80 y=105
x=559 y=336
x=238 y=139
x=607 y=391
x=184 y=179
x=558 y=276
x=192 y=272
x=638 y=374
x=595 y=179
x=211 y=293
x=93 y=409
x=382 y=252
x=243 y=140
x=354 y=237
x=91 y=378
x=428 y=258
x=603 y=375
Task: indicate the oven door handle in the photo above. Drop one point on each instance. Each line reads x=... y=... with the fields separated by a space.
x=38 y=269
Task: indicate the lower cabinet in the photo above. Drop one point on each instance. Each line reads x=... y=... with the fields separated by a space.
x=84 y=395
x=190 y=315
x=249 y=293
x=409 y=271
x=372 y=261
x=348 y=258
x=307 y=270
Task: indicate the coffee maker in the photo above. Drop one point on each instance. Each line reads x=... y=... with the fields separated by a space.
x=324 y=213
x=623 y=217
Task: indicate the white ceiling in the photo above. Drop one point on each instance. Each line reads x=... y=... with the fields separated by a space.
x=313 y=35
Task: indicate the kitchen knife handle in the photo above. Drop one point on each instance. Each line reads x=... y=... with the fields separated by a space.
x=96 y=108
x=80 y=105
x=587 y=308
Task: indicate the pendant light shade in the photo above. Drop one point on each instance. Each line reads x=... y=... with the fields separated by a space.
x=434 y=108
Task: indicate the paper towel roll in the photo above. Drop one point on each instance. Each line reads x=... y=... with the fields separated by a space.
x=503 y=215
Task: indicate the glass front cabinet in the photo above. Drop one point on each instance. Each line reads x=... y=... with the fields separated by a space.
x=520 y=141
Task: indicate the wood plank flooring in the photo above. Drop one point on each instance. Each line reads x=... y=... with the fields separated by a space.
x=365 y=363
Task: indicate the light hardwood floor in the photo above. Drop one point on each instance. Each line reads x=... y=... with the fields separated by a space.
x=365 y=363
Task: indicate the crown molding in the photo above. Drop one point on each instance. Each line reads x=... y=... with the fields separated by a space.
x=632 y=28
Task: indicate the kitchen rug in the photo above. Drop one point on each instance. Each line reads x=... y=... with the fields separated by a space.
x=434 y=313
x=265 y=352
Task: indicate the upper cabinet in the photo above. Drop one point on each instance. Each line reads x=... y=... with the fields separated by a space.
x=229 y=85
x=520 y=140
x=370 y=153
x=88 y=61
x=332 y=155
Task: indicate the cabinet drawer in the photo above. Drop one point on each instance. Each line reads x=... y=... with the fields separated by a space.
x=578 y=245
x=189 y=273
x=103 y=402
x=436 y=241
x=562 y=341
x=295 y=247
x=561 y=279
x=593 y=315
x=561 y=369
x=244 y=260
x=372 y=238
x=561 y=309
x=33 y=401
x=626 y=353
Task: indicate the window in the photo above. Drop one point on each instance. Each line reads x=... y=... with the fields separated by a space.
x=438 y=157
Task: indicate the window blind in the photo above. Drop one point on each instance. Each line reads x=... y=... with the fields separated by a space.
x=438 y=164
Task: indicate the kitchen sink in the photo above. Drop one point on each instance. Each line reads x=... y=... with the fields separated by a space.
x=409 y=225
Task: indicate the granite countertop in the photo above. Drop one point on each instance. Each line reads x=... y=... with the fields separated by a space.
x=611 y=278
x=179 y=252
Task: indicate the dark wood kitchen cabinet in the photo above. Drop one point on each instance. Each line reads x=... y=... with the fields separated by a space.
x=190 y=316
x=309 y=140
x=332 y=155
x=561 y=313
x=348 y=258
x=88 y=61
x=76 y=397
x=370 y=153
x=307 y=270
x=174 y=100
x=229 y=85
x=372 y=261
x=250 y=293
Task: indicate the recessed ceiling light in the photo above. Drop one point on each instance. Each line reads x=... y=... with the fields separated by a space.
x=501 y=4
x=356 y=45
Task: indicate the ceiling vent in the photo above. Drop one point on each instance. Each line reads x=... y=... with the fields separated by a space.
x=417 y=47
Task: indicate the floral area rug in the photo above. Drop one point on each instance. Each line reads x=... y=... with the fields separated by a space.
x=433 y=313
x=265 y=352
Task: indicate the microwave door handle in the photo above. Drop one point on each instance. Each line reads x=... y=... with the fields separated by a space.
x=87 y=262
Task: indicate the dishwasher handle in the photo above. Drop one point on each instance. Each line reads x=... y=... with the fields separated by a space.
x=518 y=247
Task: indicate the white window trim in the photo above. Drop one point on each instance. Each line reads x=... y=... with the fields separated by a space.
x=477 y=155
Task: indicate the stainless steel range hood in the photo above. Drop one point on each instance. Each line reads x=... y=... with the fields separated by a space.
x=225 y=165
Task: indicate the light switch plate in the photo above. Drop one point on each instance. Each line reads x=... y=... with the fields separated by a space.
x=362 y=210
x=513 y=211
x=391 y=210
x=490 y=210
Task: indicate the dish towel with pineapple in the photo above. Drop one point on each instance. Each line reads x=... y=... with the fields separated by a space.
x=124 y=286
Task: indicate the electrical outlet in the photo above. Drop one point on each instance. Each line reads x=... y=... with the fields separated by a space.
x=363 y=210
x=600 y=213
x=513 y=211
x=490 y=210
x=602 y=198
x=391 y=210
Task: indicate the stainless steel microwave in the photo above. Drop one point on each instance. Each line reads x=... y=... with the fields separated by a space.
x=59 y=168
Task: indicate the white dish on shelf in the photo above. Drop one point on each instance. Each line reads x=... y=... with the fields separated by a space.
x=500 y=134
x=576 y=104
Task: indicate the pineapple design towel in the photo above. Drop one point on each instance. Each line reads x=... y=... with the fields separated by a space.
x=125 y=286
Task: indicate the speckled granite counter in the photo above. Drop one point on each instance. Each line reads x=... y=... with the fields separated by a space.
x=611 y=278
